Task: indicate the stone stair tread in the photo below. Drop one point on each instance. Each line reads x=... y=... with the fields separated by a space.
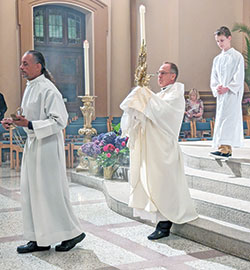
x=222 y=235
x=220 y=177
x=202 y=149
x=231 y=226
x=118 y=190
x=215 y=226
x=216 y=199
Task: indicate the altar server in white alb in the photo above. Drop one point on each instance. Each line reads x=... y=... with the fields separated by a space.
x=227 y=84
x=158 y=187
x=48 y=216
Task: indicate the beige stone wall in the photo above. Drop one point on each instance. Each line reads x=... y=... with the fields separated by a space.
x=9 y=68
x=120 y=54
x=246 y=12
x=162 y=34
x=182 y=31
x=176 y=30
x=198 y=21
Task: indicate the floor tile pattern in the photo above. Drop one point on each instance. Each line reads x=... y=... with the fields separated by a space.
x=112 y=242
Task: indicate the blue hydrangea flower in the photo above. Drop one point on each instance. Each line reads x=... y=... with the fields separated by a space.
x=109 y=138
x=118 y=142
x=91 y=149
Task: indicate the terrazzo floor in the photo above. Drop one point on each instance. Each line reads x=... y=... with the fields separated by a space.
x=112 y=241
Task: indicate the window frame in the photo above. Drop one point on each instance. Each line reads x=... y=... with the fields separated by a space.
x=66 y=12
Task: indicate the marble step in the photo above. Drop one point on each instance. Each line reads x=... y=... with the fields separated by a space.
x=218 y=183
x=198 y=158
x=212 y=205
x=225 y=236
x=223 y=208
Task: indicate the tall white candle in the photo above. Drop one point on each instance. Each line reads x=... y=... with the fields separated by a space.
x=86 y=66
x=142 y=24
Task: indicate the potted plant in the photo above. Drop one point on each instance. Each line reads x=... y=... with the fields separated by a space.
x=246 y=31
x=91 y=151
x=113 y=150
x=246 y=101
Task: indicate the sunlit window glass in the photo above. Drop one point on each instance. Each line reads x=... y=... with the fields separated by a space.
x=74 y=29
x=55 y=27
x=39 y=26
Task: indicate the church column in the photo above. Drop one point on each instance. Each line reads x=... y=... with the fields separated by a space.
x=120 y=54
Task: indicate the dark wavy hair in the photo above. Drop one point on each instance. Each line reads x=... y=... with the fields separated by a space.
x=39 y=58
x=223 y=30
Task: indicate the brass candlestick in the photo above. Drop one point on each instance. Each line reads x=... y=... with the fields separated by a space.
x=88 y=131
x=141 y=76
x=88 y=112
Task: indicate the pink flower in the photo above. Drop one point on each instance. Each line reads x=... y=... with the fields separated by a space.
x=246 y=100
x=117 y=150
x=105 y=148
x=123 y=143
x=111 y=147
x=108 y=155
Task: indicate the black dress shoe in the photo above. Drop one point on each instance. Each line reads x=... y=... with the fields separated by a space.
x=31 y=247
x=158 y=234
x=220 y=155
x=69 y=244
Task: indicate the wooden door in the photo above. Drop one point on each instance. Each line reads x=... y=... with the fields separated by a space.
x=59 y=33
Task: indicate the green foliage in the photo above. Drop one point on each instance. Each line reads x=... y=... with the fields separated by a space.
x=116 y=128
x=107 y=159
x=242 y=28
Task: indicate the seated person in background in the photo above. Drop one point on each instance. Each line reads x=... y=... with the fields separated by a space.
x=194 y=107
x=3 y=106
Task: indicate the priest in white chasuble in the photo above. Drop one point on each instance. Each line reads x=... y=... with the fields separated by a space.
x=48 y=216
x=227 y=84
x=158 y=187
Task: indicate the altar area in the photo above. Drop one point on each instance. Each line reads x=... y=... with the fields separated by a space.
x=220 y=190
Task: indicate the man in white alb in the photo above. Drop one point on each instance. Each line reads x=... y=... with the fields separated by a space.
x=158 y=187
x=47 y=213
x=227 y=84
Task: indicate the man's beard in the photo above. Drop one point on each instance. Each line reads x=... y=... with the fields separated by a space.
x=25 y=76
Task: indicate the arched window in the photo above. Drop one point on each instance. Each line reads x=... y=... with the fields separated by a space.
x=59 y=33
x=56 y=25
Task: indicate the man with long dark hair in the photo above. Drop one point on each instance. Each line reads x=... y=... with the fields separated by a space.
x=48 y=217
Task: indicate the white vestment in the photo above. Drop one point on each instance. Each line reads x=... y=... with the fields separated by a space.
x=228 y=71
x=47 y=213
x=157 y=180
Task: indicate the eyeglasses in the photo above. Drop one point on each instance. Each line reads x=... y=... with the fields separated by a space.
x=163 y=73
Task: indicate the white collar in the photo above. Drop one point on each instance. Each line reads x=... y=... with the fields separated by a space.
x=165 y=88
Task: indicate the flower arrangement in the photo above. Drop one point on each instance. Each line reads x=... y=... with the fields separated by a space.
x=91 y=149
x=109 y=151
x=113 y=147
x=246 y=101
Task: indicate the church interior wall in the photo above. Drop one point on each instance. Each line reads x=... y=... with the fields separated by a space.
x=10 y=55
x=182 y=31
x=198 y=21
x=176 y=30
x=120 y=54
